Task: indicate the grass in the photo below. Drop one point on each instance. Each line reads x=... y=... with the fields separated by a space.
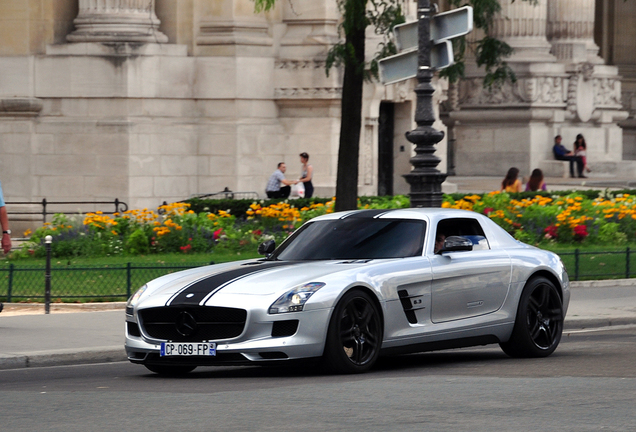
x=593 y=262
x=115 y=278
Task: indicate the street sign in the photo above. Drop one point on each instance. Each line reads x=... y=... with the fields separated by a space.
x=447 y=25
x=403 y=66
x=444 y=26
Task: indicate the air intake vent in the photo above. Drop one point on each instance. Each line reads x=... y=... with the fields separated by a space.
x=133 y=329
x=284 y=328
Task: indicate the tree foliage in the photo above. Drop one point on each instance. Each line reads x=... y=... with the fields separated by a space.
x=349 y=53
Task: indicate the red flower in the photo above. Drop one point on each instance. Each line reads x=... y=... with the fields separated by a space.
x=186 y=248
x=580 y=232
x=257 y=232
x=218 y=233
x=550 y=232
x=488 y=210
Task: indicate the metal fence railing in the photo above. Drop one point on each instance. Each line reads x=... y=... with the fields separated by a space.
x=42 y=208
x=20 y=283
x=117 y=282
x=590 y=265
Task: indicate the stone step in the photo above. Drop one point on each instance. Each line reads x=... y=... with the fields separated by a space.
x=557 y=168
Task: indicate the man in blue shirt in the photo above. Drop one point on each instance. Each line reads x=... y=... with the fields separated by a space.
x=274 y=188
x=561 y=153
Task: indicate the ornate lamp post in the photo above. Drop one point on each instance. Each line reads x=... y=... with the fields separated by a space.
x=425 y=179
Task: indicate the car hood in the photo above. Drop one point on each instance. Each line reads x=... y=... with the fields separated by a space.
x=245 y=278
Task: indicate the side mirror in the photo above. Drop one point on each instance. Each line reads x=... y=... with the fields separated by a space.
x=267 y=247
x=457 y=243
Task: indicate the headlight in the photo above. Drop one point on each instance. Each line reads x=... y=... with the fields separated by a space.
x=132 y=301
x=294 y=300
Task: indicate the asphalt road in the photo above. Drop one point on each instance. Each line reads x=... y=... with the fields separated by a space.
x=588 y=384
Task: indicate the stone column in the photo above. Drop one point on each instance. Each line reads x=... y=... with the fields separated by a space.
x=522 y=24
x=117 y=21
x=571 y=31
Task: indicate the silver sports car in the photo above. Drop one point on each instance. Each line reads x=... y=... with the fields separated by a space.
x=348 y=287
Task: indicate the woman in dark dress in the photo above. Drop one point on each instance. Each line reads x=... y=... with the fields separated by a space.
x=306 y=175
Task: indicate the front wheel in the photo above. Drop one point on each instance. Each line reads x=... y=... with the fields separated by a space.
x=354 y=337
x=539 y=322
x=169 y=370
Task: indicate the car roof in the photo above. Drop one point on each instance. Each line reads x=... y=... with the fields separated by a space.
x=427 y=214
x=496 y=235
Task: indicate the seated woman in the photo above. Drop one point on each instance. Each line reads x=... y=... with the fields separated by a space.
x=536 y=182
x=511 y=183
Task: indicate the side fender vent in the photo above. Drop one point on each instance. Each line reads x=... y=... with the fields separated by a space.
x=407 y=305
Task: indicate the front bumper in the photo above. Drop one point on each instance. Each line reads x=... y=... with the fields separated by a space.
x=255 y=344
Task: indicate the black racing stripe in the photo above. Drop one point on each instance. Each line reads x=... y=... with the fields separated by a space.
x=366 y=214
x=193 y=294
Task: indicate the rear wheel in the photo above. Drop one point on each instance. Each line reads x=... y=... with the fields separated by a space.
x=539 y=322
x=170 y=370
x=354 y=337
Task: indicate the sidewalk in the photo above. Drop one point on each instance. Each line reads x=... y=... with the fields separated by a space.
x=71 y=335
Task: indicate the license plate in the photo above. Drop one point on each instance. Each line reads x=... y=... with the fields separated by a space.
x=188 y=349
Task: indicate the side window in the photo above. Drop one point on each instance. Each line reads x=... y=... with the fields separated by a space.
x=464 y=227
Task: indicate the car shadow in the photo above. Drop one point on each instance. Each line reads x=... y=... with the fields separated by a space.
x=429 y=361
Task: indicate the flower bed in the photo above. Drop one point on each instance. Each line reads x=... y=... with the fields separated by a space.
x=575 y=218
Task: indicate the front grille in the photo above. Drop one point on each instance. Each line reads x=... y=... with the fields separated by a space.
x=205 y=323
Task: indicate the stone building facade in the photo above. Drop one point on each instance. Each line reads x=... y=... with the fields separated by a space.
x=156 y=100
x=565 y=86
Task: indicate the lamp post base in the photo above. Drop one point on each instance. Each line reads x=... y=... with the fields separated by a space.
x=426 y=189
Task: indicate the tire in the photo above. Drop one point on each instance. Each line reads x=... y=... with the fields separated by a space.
x=354 y=336
x=539 y=321
x=169 y=370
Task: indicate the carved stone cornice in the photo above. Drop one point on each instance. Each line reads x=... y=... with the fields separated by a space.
x=541 y=91
x=292 y=64
x=233 y=33
x=23 y=107
x=581 y=92
x=308 y=93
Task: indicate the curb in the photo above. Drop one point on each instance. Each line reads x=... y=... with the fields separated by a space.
x=586 y=323
x=63 y=307
x=63 y=357
x=603 y=283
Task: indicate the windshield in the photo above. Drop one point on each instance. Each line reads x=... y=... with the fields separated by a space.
x=354 y=238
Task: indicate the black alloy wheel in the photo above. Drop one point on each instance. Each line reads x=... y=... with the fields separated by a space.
x=539 y=322
x=354 y=336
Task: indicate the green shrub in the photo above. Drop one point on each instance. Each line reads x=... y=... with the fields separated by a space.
x=138 y=243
